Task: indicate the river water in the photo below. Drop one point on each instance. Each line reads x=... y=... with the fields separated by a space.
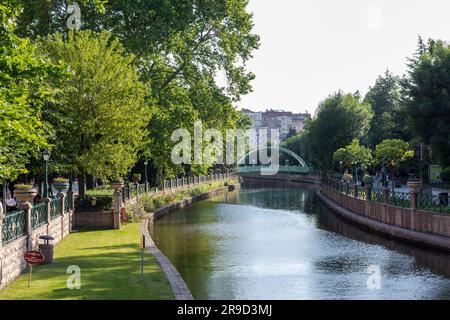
x=283 y=244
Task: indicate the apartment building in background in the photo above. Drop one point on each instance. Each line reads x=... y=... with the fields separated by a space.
x=284 y=121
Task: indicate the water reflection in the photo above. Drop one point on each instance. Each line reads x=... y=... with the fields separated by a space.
x=281 y=244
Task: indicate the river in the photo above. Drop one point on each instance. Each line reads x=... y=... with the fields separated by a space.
x=283 y=244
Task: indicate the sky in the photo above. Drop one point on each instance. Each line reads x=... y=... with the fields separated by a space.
x=312 y=48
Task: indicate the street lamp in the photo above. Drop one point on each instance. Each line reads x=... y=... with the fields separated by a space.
x=46 y=155
x=384 y=180
x=145 y=175
x=341 y=168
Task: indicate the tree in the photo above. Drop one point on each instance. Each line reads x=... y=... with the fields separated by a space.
x=389 y=116
x=181 y=48
x=427 y=91
x=100 y=115
x=395 y=151
x=23 y=90
x=339 y=120
x=300 y=145
x=354 y=155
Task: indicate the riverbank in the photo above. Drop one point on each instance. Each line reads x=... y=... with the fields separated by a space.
x=109 y=261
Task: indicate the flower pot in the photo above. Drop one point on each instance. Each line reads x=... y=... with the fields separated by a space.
x=25 y=195
x=61 y=187
x=117 y=186
x=415 y=186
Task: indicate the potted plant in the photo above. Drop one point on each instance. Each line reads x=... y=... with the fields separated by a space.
x=136 y=178
x=24 y=192
x=61 y=184
x=347 y=178
x=368 y=180
x=116 y=183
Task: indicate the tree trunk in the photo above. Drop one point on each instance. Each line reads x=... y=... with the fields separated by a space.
x=90 y=183
x=81 y=186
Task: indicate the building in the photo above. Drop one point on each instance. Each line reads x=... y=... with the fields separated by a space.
x=284 y=121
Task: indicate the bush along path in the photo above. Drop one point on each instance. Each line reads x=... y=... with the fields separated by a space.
x=109 y=265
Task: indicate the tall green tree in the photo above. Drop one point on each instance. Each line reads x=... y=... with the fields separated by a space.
x=23 y=90
x=100 y=116
x=389 y=121
x=427 y=97
x=339 y=120
x=181 y=48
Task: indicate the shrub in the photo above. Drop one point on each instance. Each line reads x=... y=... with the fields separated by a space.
x=60 y=180
x=23 y=186
x=368 y=179
x=347 y=178
x=445 y=174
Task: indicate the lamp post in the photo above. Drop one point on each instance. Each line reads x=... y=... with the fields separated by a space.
x=46 y=155
x=145 y=175
x=384 y=180
x=341 y=168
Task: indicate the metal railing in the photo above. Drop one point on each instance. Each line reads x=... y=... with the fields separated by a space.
x=55 y=208
x=38 y=215
x=437 y=203
x=14 y=226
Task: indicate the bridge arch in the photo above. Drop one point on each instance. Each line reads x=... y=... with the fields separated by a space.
x=302 y=167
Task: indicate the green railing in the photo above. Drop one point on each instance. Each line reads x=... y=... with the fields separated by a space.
x=437 y=203
x=38 y=215
x=399 y=199
x=55 y=208
x=14 y=226
x=67 y=204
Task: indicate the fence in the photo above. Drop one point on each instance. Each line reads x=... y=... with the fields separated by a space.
x=433 y=203
x=14 y=226
x=131 y=191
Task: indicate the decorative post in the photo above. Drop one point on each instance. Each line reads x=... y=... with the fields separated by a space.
x=117 y=203
x=414 y=186
x=62 y=197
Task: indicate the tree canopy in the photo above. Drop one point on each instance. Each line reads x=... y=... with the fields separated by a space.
x=100 y=115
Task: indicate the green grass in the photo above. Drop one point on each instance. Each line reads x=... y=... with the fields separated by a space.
x=110 y=269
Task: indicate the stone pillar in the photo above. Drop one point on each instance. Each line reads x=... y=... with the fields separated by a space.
x=355 y=191
x=27 y=207
x=368 y=188
x=414 y=189
x=63 y=211
x=385 y=194
x=117 y=207
x=137 y=191
x=71 y=198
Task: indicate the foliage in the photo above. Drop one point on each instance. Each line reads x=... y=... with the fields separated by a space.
x=60 y=180
x=354 y=155
x=23 y=186
x=339 y=120
x=347 y=178
x=396 y=151
x=445 y=174
x=23 y=90
x=181 y=48
x=100 y=113
x=367 y=179
x=389 y=117
x=427 y=91
x=300 y=144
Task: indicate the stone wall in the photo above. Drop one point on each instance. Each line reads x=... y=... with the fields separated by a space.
x=428 y=228
x=11 y=254
x=94 y=219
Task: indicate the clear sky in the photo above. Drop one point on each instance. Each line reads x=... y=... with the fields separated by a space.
x=311 y=48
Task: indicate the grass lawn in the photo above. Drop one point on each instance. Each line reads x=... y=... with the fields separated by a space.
x=109 y=261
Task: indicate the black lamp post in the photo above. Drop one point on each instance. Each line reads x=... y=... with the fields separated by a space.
x=341 y=169
x=46 y=155
x=145 y=175
x=384 y=180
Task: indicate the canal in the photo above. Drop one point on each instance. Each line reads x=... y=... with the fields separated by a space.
x=283 y=244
